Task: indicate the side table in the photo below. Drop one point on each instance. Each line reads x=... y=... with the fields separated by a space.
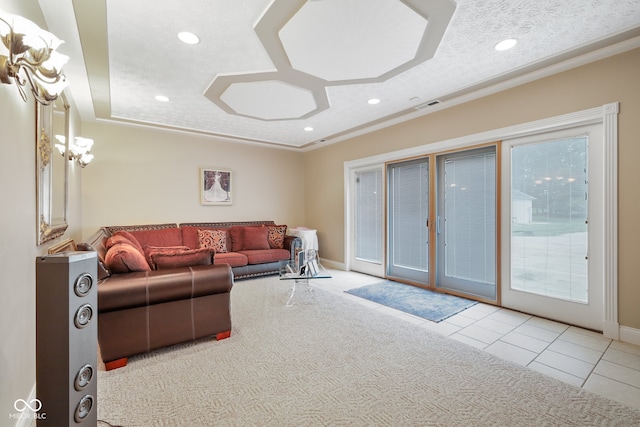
x=301 y=293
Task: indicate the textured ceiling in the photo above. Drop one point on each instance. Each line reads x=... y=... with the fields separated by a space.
x=266 y=69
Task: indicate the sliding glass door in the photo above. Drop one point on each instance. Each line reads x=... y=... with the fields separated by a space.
x=554 y=244
x=549 y=195
x=408 y=210
x=368 y=221
x=466 y=222
x=442 y=234
x=528 y=223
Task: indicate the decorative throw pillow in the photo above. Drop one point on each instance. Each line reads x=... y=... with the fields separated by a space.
x=276 y=236
x=255 y=238
x=114 y=240
x=149 y=249
x=125 y=258
x=237 y=236
x=131 y=238
x=171 y=259
x=214 y=239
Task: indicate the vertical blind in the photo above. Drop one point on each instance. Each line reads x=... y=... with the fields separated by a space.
x=409 y=211
x=368 y=212
x=470 y=217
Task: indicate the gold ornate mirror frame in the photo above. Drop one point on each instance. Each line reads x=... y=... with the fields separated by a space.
x=52 y=169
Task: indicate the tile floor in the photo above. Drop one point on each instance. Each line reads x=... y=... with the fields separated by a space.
x=577 y=356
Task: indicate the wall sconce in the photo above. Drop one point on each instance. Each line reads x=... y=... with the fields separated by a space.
x=32 y=58
x=79 y=150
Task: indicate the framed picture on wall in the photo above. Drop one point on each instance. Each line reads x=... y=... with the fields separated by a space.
x=215 y=186
x=68 y=245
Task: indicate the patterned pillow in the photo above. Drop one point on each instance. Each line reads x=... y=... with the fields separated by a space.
x=276 y=236
x=214 y=239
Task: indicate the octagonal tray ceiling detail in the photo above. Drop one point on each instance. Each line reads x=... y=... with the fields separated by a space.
x=266 y=71
x=349 y=41
x=317 y=44
x=269 y=100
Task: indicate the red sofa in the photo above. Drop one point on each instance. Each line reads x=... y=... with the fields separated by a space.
x=163 y=284
x=248 y=254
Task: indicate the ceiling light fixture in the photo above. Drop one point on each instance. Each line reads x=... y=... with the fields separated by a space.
x=506 y=44
x=308 y=129
x=188 y=38
x=373 y=101
x=32 y=58
x=162 y=98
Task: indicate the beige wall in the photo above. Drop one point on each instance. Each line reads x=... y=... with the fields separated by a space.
x=141 y=176
x=610 y=80
x=18 y=247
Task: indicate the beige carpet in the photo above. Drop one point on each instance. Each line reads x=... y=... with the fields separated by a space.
x=337 y=363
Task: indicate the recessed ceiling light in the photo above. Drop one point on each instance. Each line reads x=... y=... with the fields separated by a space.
x=506 y=44
x=308 y=129
x=373 y=101
x=188 y=38
x=162 y=98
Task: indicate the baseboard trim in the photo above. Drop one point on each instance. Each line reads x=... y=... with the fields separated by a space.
x=630 y=335
x=614 y=331
x=327 y=263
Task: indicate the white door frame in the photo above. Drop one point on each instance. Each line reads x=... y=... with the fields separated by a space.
x=587 y=315
x=372 y=268
x=606 y=114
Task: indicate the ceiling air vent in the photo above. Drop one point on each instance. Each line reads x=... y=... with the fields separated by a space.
x=427 y=104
